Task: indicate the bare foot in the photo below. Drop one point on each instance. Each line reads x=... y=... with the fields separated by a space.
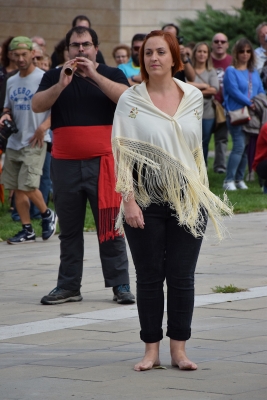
x=182 y=362
x=151 y=358
x=179 y=358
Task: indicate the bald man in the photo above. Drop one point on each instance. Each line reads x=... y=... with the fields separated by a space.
x=221 y=60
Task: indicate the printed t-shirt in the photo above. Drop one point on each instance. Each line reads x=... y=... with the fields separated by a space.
x=19 y=93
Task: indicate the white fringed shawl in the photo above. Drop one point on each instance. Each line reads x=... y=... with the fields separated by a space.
x=169 y=149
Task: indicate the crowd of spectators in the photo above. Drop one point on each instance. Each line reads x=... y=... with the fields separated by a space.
x=209 y=67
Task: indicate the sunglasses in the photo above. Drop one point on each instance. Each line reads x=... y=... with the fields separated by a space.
x=244 y=51
x=136 y=48
x=38 y=58
x=219 y=41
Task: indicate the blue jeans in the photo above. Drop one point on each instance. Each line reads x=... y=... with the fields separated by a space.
x=207 y=129
x=163 y=250
x=237 y=160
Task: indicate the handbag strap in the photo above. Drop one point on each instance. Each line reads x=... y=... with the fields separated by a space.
x=249 y=84
x=201 y=78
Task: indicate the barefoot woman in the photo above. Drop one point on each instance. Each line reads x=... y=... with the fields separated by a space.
x=161 y=175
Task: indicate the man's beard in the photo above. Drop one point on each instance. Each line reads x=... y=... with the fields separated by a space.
x=135 y=58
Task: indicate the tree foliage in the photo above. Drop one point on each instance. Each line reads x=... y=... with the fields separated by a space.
x=258 y=6
x=210 y=22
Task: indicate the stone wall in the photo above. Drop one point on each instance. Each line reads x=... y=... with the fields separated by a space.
x=114 y=20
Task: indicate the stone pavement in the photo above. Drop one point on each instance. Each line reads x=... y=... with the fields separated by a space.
x=87 y=350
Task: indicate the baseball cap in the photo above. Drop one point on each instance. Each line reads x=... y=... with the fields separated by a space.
x=20 y=42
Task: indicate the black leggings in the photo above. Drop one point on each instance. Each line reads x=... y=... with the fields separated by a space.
x=163 y=250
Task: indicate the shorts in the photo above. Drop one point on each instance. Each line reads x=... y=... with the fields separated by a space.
x=23 y=168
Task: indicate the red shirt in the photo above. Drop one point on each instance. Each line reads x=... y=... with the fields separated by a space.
x=220 y=66
x=261 y=147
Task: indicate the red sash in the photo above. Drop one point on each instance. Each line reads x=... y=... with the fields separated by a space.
x=85 y=142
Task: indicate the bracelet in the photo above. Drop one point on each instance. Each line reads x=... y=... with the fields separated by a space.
x=132 y=78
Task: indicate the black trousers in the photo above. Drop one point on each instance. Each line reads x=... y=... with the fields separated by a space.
x=163 y=250
x=262 y=170
x=74 y=182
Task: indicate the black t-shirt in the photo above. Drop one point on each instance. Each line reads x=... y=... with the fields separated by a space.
x=82 y=103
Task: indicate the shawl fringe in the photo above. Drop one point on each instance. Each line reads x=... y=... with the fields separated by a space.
x=167 y=180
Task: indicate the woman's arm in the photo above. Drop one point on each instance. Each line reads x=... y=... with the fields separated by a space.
x=133 y=213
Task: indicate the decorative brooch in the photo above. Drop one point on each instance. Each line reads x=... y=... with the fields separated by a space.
x=133 y=112
x=197 y=114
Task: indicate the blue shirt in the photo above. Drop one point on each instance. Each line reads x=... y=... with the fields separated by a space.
x=237 y=84
x=129 y=69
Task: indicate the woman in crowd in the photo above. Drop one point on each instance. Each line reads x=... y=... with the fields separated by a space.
x=207 y=81
x=241 y=83
x=121 y=54
x=7 y=60
x=61 y=52
x=7 y=68
x=162 y=178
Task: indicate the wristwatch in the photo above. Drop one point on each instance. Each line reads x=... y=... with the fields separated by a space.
x=132 y=78
x=187 y=61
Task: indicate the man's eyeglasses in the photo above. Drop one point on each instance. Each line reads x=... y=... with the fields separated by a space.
x=85 y=45
x=244 y=51
x=38 y=58
x=136 y=48
x=219 y=41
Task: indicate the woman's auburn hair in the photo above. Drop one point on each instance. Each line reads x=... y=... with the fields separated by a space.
x=174 y=49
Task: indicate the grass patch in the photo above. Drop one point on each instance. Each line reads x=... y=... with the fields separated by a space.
x=228 y=289
x=244 y=201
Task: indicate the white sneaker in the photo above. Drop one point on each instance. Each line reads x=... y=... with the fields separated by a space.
x=241 y=185
x=229 y=185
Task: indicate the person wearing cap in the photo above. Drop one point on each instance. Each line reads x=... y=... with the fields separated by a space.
x=26 y=149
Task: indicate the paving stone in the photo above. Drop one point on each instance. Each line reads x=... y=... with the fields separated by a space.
x=95 y=361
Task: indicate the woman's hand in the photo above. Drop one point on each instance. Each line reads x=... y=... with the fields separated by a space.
x=133 y=214
x=252 y=105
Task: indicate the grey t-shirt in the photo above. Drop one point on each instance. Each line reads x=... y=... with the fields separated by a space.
x=19 y=93
x=211 y=78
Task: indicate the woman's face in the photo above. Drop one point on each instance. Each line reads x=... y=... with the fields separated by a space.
x=244 y=55
x=157 y=57
x=202 y=53
x=121 y=56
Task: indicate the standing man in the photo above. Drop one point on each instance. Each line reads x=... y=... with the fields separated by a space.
x=79 y=20
x=132 y=68
x=261 y=52
x=26 y=149
x=221 y=60
x=82 y=109
x=40 y=41
x=188 y=72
